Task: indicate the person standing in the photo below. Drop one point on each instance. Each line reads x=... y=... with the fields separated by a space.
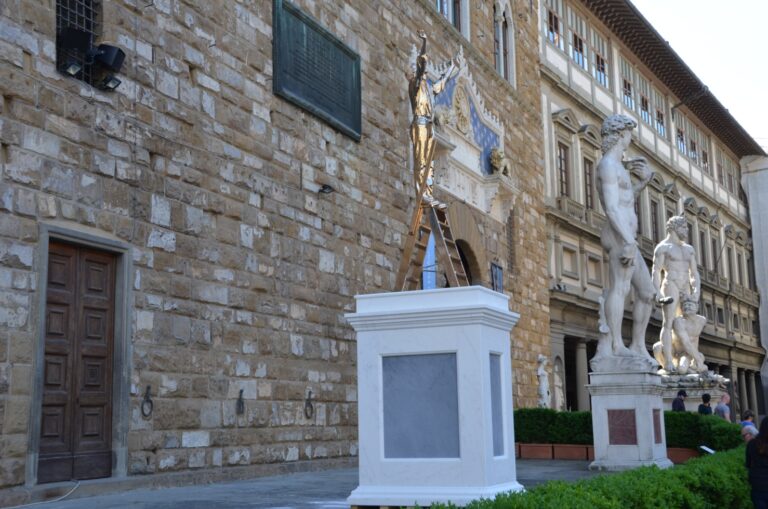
x=757 y=465
x=704 y=406
x=748 y=428
x=678 y=404
x=722 y=409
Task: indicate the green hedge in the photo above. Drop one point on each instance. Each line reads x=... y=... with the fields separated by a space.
x=714 y=481
x=684 y=429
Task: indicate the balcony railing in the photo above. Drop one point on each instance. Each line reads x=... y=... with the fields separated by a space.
x=570 y=207
x=596 y=219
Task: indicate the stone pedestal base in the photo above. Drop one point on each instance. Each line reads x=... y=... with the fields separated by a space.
x=628 y=421
x=435 y=397
x=694 y=385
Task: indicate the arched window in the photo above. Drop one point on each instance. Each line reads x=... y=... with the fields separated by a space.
x=456 y=12
x=504 y=41
x=505 y=45
x=497 y=62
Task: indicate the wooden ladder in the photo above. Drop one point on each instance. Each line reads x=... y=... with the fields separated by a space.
x=429 y=219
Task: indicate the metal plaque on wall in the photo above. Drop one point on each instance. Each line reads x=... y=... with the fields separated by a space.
x=315 y=70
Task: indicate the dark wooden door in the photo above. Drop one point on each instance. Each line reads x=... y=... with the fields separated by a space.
x=76 y=427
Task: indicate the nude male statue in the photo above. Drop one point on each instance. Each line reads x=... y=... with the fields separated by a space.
x=627 y=270
x=684 y=347
x=421 y=93
x=681 y=280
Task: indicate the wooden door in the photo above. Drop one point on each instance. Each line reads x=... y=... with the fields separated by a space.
x=76 y=427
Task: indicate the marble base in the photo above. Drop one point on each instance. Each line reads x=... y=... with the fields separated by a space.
x=435 y=397
x=628 y=420
x=424 y=496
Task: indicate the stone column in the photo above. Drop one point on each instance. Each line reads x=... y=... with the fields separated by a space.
x=752 y=392
x=743 y=401
x=582 y=378
x=754 y=181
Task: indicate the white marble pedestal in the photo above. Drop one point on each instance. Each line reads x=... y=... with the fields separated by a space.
x=435 y=397
x=628 y=420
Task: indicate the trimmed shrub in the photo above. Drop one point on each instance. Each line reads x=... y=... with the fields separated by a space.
x=720 y=435
x=719 y=480
x=572 y=428
x=534 y=425
x=683 y=429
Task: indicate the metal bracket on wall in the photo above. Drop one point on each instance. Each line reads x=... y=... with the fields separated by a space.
x=147 y=405
x=309 y=409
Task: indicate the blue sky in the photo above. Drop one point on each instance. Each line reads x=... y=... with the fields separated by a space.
x=724 y=43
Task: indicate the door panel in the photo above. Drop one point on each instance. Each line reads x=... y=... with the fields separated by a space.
x=79 y=334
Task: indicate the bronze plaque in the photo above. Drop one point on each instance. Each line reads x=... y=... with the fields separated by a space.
x=622 y=429
x=315 y=70
x=657 y=426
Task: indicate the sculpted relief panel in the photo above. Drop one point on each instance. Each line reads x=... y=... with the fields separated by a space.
x=469 y=152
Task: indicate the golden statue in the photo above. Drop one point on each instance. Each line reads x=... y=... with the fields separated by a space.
x=429 y=215
x=422 y=93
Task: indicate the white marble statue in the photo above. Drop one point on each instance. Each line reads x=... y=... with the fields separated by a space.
x=559 y=388
x=541 y=373
x=627 y=269
x=679 y=289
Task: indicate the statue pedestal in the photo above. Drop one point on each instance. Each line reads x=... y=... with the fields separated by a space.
x=434 y=397
x=628 y=420
x=694 y=385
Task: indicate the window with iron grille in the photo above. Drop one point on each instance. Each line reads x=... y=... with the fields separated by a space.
x=694 y=142
x=628 y=94
x=644 y=96
x=496 y=41
x=599 y=59
x=705 y=160
x=703 y=249
x=589 y=184
x=715 y=253
x=562 y=169
x=82 y=15
x=457 y=14
x=660 y=106
x=720 y=167
x=680 y=136
x=655 y=221
x=451 y=10
x=739 y=268
x=690 y=233
x=729 y=261
x=578 y=34
x=708 y=312
x=505 y=46
x=554 y=23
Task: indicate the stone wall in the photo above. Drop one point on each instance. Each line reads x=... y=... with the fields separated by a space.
x=241 y=270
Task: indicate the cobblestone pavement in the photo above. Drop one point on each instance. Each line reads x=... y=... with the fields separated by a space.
x=310 y=490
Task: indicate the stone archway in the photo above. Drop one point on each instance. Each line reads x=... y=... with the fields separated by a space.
x=469 y=261
x=470 y=242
